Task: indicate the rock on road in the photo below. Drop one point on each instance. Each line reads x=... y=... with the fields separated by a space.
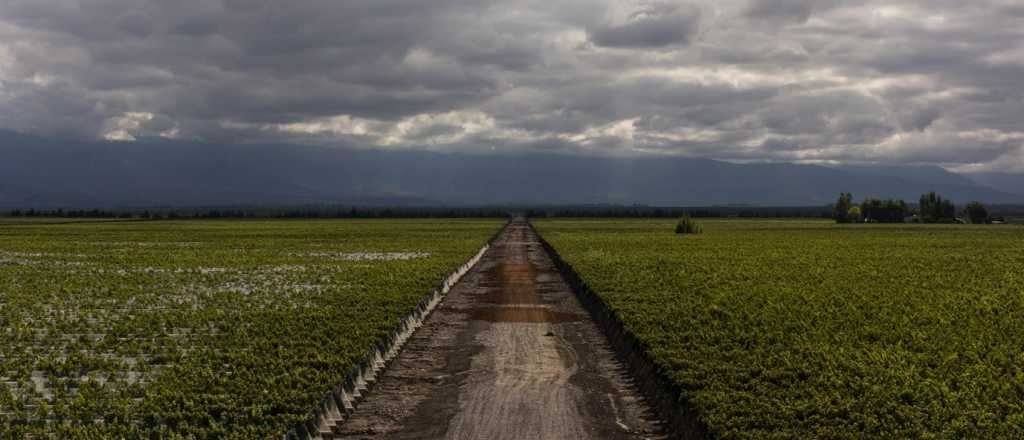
x=508 y=354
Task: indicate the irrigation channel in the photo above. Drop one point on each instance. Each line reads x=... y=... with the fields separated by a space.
x=508 y=354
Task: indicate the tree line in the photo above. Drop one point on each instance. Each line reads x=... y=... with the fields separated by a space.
x=435 y=212
x=937 y=209
x=244 y=213
x=640 y=211
x=931 y=208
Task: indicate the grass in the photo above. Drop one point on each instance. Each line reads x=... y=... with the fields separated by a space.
x=805 y=329
x=202 y=329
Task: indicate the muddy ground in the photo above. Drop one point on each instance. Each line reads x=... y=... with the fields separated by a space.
x=508 y=354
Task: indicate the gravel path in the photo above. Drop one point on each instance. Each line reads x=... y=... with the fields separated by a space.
x=508 y=354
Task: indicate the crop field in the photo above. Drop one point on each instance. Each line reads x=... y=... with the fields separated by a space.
x=202 y=329
x=807 y=329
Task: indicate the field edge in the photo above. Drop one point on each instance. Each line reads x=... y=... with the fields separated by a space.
x=661 y=393
x=339 y=403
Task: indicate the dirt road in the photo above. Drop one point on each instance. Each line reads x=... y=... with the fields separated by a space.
x=508 y=354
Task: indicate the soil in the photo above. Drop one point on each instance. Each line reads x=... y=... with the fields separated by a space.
x=508 y=354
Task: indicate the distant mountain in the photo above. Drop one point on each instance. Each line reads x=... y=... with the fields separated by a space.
x=46 y=173
x=920 y=174
x=1006 y=182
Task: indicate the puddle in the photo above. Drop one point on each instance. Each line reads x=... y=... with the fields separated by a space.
x=512 y=283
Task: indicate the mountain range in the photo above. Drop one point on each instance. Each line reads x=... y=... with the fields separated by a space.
x=38 y=172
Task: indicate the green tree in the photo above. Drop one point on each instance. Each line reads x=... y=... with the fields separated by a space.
x=883 y=211
x=853 y=215
x=977 y=212
x=933 y=208
x=841 y=213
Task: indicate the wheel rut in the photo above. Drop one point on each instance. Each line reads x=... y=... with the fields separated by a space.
x=508 y=354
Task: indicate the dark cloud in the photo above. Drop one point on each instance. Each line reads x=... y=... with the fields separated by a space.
x=794 y=11
x=920 y=118
x=650 y=26
x=934 y=82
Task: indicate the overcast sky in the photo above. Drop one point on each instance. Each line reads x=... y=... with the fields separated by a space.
x=830 y=81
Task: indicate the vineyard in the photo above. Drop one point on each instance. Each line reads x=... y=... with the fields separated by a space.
x=202 y=329
x=807 y=329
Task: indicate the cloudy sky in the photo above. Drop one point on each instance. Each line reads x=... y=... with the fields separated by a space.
x=825 y=81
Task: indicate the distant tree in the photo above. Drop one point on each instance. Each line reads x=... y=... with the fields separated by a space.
x=853 y=214
x=946 y=210
x=933 y=208
x=841 y=213
x=686 y=225
x=977 y=212
x=883 y=211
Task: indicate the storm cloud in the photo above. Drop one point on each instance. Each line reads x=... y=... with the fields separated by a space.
x=915 y=82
